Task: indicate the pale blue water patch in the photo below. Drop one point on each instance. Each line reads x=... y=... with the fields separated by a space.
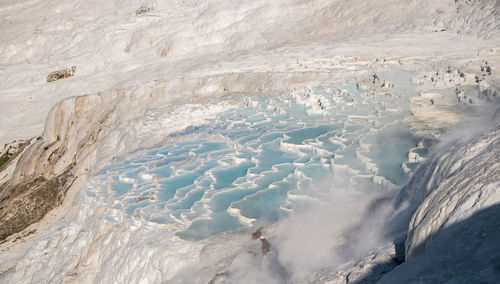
x=267 y=154
x=218 y=153
x=303 y=160
x=209 y=147
x=296 y=111
x=170 y=185
x=202 y=228
x=315 y=171
x=390 y=147
x=423 y=152
x=121 y=187
x=270 y=137
x=278 y=173
x=298 y=136
x=353 y=88
x=402 y=82
x=135 y=173
x=365 y=184
x=181 y=193
x=354 y=128
x=264 y=205
x=249 y=138
x=244 y=154
x=221 y=200
x=163 y=171
x=347 y=157
x=189 y=199
x=327 y=144
x=226 y=176
x=256 y=118
x=412 y=166
x=131 y=208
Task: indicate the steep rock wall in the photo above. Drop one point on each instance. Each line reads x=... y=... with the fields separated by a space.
x=453 y=201
x=467 y=181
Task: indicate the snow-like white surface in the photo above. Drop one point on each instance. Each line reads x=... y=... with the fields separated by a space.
x=112 y=48
x=462 y=182
x=158 y=70
x=453 y=235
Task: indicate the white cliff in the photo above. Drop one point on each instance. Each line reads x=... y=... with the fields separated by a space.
x=453 y=234
x=145 y=70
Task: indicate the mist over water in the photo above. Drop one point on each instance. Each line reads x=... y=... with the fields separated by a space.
x=222 y=141
x=304 y=164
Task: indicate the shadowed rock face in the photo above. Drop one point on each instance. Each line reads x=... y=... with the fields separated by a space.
x=29 y=202
x=453 y=201
x=463 y=181
x=465 y=252
x=192 y=42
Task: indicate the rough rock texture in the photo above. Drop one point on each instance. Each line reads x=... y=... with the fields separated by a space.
x=189 y=50
x=467 y=180
x=464 y=252
x=46 y=170
x=145 y=8
x=10 y=152
x=29 y=202
x=367 y=270
x=81 y=132
x=453 y=234
x=61 y=74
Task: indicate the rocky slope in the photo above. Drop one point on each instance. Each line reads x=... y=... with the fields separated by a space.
x=141 y=65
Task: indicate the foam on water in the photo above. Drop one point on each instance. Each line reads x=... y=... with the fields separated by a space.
x=266 y=157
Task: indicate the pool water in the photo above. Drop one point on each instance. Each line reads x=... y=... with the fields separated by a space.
x=266 y=158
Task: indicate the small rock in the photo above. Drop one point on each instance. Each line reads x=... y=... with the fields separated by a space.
x=61 y=74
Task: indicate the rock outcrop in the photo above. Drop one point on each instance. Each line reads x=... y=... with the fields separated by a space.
x=467 y=181
x=9 y=153
x=29 y=202
x=452 y=234
x=82 y=131
x=61 y=74
x=50 y=165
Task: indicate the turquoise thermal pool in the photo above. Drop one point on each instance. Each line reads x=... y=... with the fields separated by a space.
x=264 y=158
